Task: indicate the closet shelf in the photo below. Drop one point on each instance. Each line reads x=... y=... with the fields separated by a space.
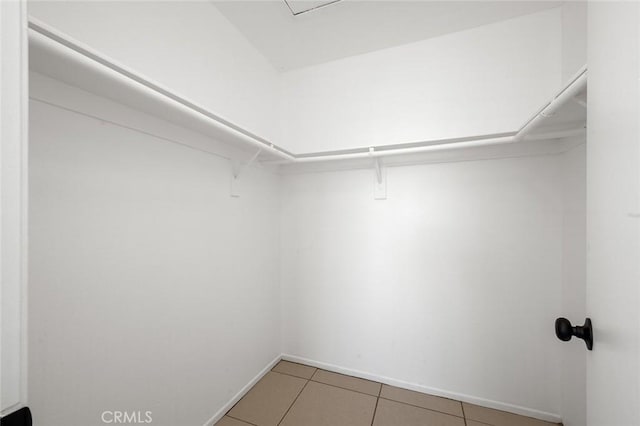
x=564 y=116
x=59 y=56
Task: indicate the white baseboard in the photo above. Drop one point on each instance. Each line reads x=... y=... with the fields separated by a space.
x=503 y=406
x=222 y=411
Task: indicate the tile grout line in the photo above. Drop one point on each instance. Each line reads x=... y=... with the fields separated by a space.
x=296 y=363
x=340 y=387
x=293 y=375
x=373 y=419
x=424 y=408
x=238 y=402
x=294 y=401
x=240 y=420
x=375 y=410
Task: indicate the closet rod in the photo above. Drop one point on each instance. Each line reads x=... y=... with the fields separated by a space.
x=62 y=46
x=439 y=146
x=565 y=95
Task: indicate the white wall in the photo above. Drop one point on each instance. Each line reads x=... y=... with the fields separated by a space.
x=188 y=47
x=150 y=287
x=453 y=283
x=574 y=37
x=574 y=360
x=481 y=81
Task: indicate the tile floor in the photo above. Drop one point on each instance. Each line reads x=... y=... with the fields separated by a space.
x=298 y=395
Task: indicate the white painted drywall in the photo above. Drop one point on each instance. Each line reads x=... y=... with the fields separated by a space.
x=613 y=213
x=574 y=269
x=481 y=81
x=150 y=287
x=453 y=283
x=574 y=37
x=187 y=46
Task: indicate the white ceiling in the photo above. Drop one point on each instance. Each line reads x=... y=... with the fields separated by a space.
x=351 y=27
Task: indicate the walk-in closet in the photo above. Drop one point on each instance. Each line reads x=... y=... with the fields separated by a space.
x=320 y=213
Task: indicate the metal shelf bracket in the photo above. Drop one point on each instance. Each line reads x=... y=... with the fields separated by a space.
x=236 y=171
x=380 y=182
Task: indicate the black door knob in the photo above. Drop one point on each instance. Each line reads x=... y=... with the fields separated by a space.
x=565 y=331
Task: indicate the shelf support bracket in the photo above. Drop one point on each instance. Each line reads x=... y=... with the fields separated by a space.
x=236 y=171
x=580 y=101
x=380 y=178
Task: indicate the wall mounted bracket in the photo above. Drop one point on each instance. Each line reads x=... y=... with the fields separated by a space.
x=380 y=182
x=236 y=171
x=580 y=100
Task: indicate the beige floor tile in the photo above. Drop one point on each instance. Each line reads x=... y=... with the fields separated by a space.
x=294 y=369
x=500 y=418
x=347 y=382
x=423 y=400
x=228 y=421
x=391 y=413
x=323 y=405
x=268 y=400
